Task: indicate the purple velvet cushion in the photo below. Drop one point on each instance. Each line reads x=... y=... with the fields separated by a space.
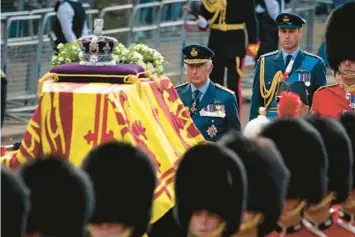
x=119 y=69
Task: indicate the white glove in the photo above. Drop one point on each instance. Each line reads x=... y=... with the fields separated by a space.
x=202 y=22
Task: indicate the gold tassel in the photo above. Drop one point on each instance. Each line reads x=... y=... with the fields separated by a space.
x=127 y=79
x=46 y=77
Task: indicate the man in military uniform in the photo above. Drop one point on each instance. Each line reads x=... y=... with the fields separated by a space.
x=346 y=212
x=124 y=180
x=304 y=155
x=61 y=198
x=210 y=190
x=333 y=100
x=14 y=204
x=227 y=20
x=267 y=174
x=320 y=217
x=213 y=107
x=266 y=13
x=288 y=64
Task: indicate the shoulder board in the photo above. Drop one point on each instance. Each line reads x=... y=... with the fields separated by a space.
x=270 y=54
x=224 y=88
x=312 y=55
x=181 y=85
x=327 y=86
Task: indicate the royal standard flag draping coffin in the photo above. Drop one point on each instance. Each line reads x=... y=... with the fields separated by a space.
x=81 y=107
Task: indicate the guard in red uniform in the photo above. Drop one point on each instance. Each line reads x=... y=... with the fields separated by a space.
x=61 y=198
x=266 y=173
x=346 y=212
x=124 y=179
x=210 y=190
x=320 y=217
x=333 y=100
x=303 y=152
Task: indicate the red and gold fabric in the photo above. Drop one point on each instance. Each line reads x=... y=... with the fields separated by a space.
x=72 y=118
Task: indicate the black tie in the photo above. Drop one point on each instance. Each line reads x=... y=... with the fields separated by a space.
x=288 y=59
x=197 y=96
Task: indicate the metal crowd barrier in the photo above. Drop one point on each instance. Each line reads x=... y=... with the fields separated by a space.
x=120 y=33
x=168 y=36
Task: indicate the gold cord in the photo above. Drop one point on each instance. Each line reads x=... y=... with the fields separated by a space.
x=268 y=94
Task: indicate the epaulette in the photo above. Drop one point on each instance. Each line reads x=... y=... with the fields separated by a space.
x=213 y=6
x=327 y=86
x=224 y=88
x=181 y=85
x=270 y=54
x=313 y=55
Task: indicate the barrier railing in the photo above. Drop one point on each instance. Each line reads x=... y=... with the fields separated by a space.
x=121 y=31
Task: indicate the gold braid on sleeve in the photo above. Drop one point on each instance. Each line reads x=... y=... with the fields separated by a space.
x=218 y=7
x=268 y=94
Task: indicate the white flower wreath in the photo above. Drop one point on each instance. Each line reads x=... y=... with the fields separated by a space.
x=150 y=59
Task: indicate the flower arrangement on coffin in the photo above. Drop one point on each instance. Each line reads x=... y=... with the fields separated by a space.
x=150 y=59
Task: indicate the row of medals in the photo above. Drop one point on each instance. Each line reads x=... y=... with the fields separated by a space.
x=351 y=97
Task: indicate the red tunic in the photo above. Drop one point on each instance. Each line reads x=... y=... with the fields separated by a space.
x=330 y=101
x=336 y=229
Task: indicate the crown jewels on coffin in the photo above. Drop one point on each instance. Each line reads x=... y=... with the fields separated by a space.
x=97 y=49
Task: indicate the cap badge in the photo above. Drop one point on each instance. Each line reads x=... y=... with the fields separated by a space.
x=285 y=19
x=194 y=52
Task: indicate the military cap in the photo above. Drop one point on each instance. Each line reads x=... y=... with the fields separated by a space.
x=124 y=179
x=61 y=197
x=289 y=21
x=267 y=176
x=340 y=35
x=197 y=54
x=340 y=157
x=304 y=154
x=210 y=177
x=348 y=121
x=297 y=87
x=14 y=204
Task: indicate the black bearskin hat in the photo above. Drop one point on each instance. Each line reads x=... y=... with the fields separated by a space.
x=61 y=197
x=348 y=121
x=340 y=35
x=267 y=176
x=340 y=157
x=304 y=154
x=211 y=177
x=14 y=204
x=124 y=180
